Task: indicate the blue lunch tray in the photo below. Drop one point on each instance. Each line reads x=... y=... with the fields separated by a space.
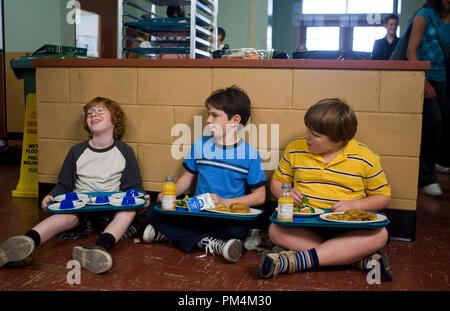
x=316 y=221
x=206 y=214
x=94 y=208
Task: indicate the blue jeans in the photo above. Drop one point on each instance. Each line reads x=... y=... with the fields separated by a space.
x=186 y=231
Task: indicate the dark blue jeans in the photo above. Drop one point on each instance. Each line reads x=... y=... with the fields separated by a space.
x=186 y=231
x=431 y=134
x=443 y=156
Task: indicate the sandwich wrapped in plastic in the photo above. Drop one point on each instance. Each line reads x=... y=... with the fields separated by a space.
x=248 y=53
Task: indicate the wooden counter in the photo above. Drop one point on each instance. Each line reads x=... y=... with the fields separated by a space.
x=238 y=63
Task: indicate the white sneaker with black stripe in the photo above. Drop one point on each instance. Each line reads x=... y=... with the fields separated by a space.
x=432 y=190
x=152 y=235
x=231 y=250
x=442 y=169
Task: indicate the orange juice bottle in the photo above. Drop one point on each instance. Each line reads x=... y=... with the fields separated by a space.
x=286 y=204
x=168 y=194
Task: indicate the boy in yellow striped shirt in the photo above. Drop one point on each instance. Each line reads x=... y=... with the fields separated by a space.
x=335 y=172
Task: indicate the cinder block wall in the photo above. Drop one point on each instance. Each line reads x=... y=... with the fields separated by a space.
x=388 y=106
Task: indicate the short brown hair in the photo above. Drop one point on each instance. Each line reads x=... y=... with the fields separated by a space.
x=231 y=100
x=334 y=118
x=117 y=115
x=391 y=16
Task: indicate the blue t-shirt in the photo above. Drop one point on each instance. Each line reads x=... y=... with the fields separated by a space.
x=228 y=171
x=430 y=49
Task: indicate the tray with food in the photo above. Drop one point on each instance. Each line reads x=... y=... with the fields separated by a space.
x=348 y=219
x=70 y=203
x=234 y=211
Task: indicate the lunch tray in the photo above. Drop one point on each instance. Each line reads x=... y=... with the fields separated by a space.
x=206 y=214
x=94 y=208
x=316 y=221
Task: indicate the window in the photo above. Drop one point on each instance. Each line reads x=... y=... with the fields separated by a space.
x=347 y=6
x=364 y=37
x=322 y=38
x=346 y=25
x=269 y=23
x=324 y=6
x=369 y=6
x=87 y=33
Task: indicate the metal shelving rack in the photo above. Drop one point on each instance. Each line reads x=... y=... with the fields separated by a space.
x=192 y=32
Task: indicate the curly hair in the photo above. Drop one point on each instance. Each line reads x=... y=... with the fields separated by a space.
x=117 y=115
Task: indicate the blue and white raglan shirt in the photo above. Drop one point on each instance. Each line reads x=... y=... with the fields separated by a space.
x=87 y=169
x=228 y=171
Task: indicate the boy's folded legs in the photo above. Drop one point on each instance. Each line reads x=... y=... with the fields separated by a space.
x=197 y=234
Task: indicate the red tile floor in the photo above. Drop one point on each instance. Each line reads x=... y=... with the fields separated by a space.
x=422 y=265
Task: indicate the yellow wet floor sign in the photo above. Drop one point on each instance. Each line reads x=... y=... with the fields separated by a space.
x=28 y=181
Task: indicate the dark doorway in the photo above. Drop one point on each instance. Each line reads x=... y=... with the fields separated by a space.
x=107 y=9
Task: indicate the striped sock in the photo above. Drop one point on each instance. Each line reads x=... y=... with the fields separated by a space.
x=292 y=262
x=362 y=264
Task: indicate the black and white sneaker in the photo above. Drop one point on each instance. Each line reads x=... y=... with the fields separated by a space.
x=152 y=235
x=231 y=250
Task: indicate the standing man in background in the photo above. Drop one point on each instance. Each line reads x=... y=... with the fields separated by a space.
x=383 y=48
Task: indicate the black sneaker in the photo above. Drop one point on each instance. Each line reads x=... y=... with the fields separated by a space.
x=15 y=250
x=385 y=266
x=93 y=258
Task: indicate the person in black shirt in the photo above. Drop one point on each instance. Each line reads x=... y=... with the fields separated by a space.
x=383 y=48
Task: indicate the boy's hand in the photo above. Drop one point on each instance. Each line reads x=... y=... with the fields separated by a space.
x=47 y=200
x=297 y=197
x=159 y=199
x=147 y=200
x=217 y=199
x=343 y=206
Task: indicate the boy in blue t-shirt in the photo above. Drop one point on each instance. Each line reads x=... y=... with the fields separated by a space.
x=226 y=167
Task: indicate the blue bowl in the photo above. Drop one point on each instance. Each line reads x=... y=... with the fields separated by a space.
x=102 y=199
x=66 y=204
x=128 y=200
x=72 y=196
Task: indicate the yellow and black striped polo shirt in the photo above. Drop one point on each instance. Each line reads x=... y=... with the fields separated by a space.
x=354 y=173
